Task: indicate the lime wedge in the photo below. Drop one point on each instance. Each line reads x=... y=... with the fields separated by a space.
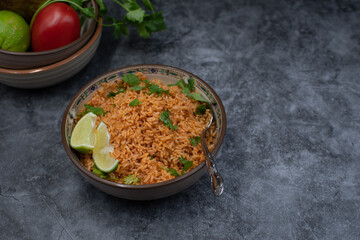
x=82 y=137
x=102 y=150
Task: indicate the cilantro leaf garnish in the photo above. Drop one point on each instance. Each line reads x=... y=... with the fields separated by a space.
x=200 y=110
x=187 y=164
x=137 y=88
x=99 y=173
x=135 y=102
x=191 y=85
x=154 y=88
x=172 y=171
x=152 y=157
x=131 y=179
x=188 y=88
x=165 y=118
x=131 y=79
x=96 y=110
x=195 y=141
x=113 y=94
x=198 y=97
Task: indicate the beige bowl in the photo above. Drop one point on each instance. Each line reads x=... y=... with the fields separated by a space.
x=54 y=73
x=29 y=60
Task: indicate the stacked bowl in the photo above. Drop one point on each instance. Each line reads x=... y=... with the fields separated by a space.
x=46 y=68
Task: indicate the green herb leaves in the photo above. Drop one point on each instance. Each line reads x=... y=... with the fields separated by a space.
x=188 y=89
x=135 y=102
x=186 y=166
x=137 y=88
x=165 y=118
x=145 y=23
x=198 y=97
x=131 y=79
x=154 y=88
x=173 y=172
x=131 y=179
x=134 y=83
x=96 y=110
x=200 y=110
x=113 y=94
x=195 y=141
x=99 y=173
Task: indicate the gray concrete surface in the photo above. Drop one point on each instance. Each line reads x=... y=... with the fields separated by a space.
x=288 y=74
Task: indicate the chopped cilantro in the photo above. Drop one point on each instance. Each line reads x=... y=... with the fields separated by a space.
x=99 y=173
x=200 y=110
x=198 y=97
x=131 y=179
x=188 y=88
x=195 y=141
x=131 y=79
x=113 y=94
x=137 y=88
x=154 y=88
x=165 y=118
x=191 y=85
x=135 y=102
x=187 y=164
x=152 y=157
x=96 y=110
x=172 y=171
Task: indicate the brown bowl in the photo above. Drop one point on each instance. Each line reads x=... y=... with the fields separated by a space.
x=28 y=60
x=54 y=73
x=166 y=74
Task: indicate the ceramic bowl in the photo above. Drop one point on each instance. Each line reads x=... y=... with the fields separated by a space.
x=54 y=73
x=166 y=74
x=30 y=60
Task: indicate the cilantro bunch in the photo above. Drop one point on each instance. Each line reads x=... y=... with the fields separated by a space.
x=143 y=17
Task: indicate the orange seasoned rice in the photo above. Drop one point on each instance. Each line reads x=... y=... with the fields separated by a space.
x=144 y=146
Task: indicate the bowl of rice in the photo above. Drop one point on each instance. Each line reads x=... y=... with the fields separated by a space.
x=154 y=116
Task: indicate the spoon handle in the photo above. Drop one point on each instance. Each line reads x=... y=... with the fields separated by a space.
x=216 y=180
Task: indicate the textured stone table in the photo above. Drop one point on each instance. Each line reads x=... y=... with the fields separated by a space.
x=288 y=74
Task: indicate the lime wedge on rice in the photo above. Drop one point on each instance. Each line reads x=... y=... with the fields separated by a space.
x=82 y=137
x=102 y=149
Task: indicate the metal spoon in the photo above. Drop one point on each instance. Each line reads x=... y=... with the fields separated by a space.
x=216 y=180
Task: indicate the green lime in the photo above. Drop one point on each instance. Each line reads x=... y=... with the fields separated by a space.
x=82 y=137
x=14 y=32
x=102 y=150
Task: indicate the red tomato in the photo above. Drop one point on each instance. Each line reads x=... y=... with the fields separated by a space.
x=54 y=26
